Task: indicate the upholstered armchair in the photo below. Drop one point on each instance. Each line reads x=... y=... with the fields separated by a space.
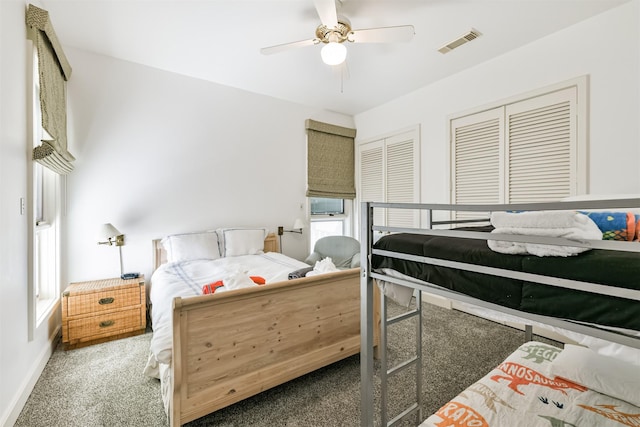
x=344 y=251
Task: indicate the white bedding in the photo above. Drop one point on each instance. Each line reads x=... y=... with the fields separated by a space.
x=540 y=385
x=567 y=224
x=186 y=279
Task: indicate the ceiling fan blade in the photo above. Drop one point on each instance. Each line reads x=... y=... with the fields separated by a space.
x=287 y=46
x=402 y=33
x=327 y=12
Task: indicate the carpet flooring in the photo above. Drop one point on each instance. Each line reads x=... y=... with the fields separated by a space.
x=103 y=385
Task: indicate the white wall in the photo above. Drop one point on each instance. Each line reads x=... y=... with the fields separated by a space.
x=156 y=153
x=606 y=47
x=21 y=360
x=160 y=153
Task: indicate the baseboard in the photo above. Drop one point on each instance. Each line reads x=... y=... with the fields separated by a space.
x=21 y=396
x=436 y=300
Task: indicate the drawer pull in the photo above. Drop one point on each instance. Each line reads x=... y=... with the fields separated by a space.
x=106 y=323
x=104 y=301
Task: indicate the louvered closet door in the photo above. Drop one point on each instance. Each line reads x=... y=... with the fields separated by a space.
x=477 y=153
x=541 y=144
x=389 y=171
x=372 y=177
x=401 y=182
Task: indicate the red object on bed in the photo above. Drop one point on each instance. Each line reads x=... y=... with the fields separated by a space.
x=211 y=288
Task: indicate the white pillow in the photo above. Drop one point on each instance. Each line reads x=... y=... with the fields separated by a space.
x=241 y=241
x=604 y=374
x=185 y=247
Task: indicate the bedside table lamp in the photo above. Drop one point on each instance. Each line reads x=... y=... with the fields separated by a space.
x=109 y=235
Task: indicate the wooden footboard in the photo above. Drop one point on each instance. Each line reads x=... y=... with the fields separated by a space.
x=233 y=345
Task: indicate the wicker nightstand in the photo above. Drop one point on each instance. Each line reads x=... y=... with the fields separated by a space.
x=102 y=310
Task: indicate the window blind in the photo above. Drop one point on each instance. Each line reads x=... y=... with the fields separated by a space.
x=54 y=70
x=330 y=160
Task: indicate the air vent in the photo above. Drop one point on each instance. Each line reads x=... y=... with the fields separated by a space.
x=465 y=38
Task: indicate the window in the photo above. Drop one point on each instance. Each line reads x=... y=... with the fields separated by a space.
x=38 y=182
x=329 y=217
x=48 y=132
x=389 y=171
x=322 y=206
x=529 y=149
x=45 y=194
x=330 y=179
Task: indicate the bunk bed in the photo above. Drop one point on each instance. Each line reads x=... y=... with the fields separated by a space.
x=472 y=261
x=213 y=347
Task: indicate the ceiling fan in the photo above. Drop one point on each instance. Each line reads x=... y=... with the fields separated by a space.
x=334 y=30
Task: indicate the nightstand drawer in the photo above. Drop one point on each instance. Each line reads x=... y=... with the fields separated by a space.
x=102 y=301
x=102 y=310
x=104 y=325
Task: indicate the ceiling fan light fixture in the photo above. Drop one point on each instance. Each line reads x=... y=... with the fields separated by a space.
x=333 y=53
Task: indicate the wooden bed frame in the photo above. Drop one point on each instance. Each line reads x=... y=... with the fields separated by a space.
x=232 y=345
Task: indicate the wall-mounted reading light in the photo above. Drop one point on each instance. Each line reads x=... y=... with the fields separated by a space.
x=298 y=225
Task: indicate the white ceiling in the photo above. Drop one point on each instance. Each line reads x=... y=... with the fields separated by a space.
x=220 y=41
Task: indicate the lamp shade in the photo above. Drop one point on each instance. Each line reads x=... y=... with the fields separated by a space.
x=106 y=232
x=333 y=53
x=298 y=224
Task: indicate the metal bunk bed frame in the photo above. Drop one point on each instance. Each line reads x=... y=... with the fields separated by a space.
x=367 y=228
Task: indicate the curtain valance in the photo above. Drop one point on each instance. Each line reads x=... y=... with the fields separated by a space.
x=330 y=160
x=54 y=70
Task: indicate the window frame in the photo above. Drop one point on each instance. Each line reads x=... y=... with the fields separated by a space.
x=43 y=209
x=345 y=218
x=311 y=212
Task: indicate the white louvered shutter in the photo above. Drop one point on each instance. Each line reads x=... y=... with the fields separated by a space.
x=522 y=152
x=476 y=154
x=372 y=176
x=541 y=144
x=401 y=183
x=389 y=172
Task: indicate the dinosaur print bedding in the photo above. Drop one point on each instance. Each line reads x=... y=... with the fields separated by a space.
x=538 y=386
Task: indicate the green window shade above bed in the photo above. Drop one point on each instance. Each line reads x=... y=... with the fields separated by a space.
x=330 y=161
x=53 y=70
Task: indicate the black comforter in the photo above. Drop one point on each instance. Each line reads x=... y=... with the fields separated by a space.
x=613 y=268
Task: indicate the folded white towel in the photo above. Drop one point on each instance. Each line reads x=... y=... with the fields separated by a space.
x=325 y=265
x=236 y=278
x=565 y=224
x=541 y=219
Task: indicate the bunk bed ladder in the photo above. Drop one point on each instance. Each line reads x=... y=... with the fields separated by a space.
x=415 y=361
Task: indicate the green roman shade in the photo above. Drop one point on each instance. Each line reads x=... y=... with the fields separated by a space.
x=330 y=161
x=54 y=70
